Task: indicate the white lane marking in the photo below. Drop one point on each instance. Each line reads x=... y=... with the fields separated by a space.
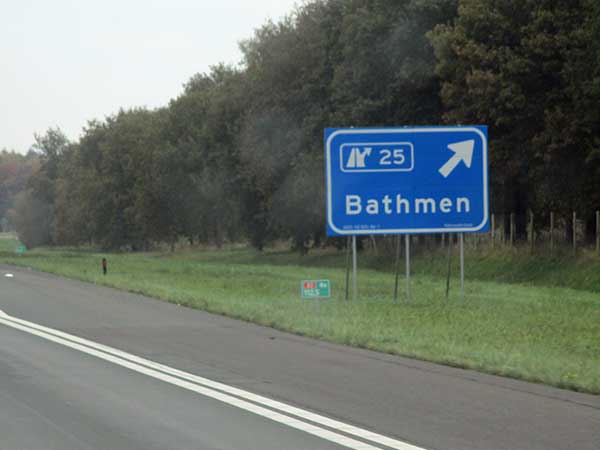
x=3 y=314
x=8 y=275
x=288 y=409
x=272 y=415
x=203 y=386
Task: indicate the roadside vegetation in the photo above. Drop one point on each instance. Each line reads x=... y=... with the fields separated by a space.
x=238 y=155
x=504 y=325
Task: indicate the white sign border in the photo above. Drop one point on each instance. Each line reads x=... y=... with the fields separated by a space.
x=405 y=131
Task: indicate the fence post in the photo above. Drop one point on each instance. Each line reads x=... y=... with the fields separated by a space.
x=531 y=233
x=551 y=232
x=493 y=229
x=598 y=232
x=574 y=233
x=512 y=229
x=374 y=244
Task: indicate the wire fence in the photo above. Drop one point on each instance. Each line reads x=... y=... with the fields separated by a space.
x=549 y=234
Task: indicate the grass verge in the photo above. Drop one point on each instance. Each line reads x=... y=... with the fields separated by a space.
x=532 y=332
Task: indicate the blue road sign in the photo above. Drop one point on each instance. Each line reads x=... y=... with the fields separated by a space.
x=407 y=180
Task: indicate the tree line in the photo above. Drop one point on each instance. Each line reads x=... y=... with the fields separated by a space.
x=15 y=172
x=238 y=155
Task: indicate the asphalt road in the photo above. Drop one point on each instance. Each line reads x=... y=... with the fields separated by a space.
x=54 y=398
x=56 y=393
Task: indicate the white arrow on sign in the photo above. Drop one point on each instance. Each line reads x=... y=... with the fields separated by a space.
x=463 y=151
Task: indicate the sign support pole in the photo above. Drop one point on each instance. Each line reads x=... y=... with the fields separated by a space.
x=450 y=245
x=397 y=267
x=407 y=250
x=346 y=296
x=354 y=270
x=462 y=264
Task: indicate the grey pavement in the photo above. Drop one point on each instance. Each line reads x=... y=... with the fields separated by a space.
x=54 y=398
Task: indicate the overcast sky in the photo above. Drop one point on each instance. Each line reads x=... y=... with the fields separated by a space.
x=64 y=62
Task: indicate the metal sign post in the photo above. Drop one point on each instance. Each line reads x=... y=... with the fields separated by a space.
x=397 y=268
x=354 y=270
x=462 y=264
x=449 y=268
x=348 y=239
x=407 y=247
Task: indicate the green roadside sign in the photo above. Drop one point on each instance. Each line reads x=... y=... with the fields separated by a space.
x=20 y=249
x=315 y=288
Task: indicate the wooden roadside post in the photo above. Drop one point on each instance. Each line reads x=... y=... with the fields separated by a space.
x=551 y=232
x=374 y=244
x=531 y=233
x=512 y=229
x=574 y=233
x=493 y=236
x=598 y=232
